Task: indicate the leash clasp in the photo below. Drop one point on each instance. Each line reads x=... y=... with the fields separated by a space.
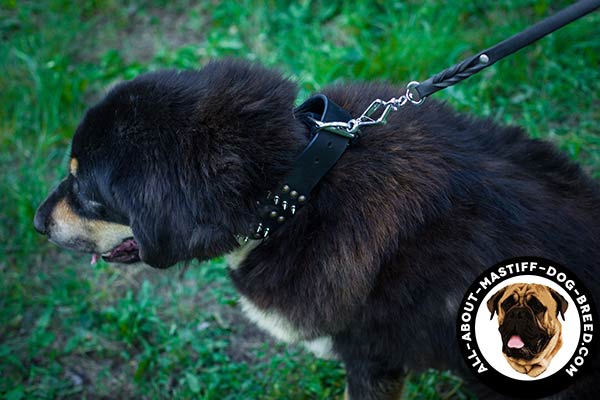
x=349 y=129
x=340 y=128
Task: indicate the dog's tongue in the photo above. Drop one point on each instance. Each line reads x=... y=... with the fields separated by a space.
x=95 y=258
x=515 y=342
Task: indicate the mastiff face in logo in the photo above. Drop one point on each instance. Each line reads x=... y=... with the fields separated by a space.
x=528 y=324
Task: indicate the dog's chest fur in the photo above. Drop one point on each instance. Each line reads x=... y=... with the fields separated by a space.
x=273 y=322
x=279 y=326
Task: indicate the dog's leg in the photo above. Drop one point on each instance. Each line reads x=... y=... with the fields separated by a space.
x=365 y=385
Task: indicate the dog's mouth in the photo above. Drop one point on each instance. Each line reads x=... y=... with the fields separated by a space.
x=524 y=346
x=517 y=346
x=128 y=252
x=515 y=342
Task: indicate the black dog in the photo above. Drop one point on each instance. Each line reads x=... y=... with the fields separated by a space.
x=169 y=167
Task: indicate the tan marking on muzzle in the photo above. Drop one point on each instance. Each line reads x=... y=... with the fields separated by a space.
x=62 y=213
x=69 y=226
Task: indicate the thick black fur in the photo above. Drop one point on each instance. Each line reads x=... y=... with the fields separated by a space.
x=393 y=235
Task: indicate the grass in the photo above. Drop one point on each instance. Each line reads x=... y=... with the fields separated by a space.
x=69 y=330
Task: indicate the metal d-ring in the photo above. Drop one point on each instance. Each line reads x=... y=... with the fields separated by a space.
x=412 y=94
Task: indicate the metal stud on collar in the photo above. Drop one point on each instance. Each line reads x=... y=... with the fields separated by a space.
x=279 y=211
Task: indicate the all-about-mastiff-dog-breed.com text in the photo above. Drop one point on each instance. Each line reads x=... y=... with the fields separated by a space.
x=370 y=266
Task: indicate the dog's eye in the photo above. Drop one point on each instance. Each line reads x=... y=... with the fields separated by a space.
x=508 y=303
x=91 y=206
x=535 y=305
x=84 y=201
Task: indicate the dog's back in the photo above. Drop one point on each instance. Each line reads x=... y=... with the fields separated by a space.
x=455 y=195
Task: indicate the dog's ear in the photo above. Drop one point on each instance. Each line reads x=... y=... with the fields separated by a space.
x=561 y=303
x=158 y=219
x=169 y=227
x=492 y=303
x=161 y=243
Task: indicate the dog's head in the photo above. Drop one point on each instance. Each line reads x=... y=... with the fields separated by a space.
x=527 y=318
x=167 y=167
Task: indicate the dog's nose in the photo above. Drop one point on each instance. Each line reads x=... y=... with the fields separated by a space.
x=40 y=223
x=43 y=220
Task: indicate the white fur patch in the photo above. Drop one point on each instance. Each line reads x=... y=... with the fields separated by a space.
x=280 y=327
x=273 y=322
x=236 y=257
x=321 y=347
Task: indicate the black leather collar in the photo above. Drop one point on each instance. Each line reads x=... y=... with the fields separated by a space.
x=322 y=152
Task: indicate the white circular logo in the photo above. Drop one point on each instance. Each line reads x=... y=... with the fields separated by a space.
x=526 y=327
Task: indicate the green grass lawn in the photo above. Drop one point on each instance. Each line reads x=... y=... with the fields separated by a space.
x=70 y=330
